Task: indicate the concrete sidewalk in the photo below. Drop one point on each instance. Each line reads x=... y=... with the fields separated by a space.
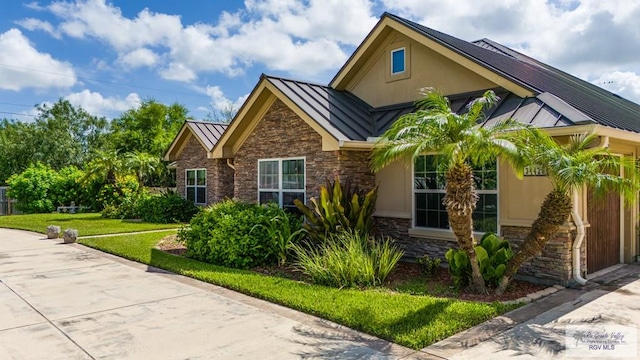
x=62 y=301
x=540 y=330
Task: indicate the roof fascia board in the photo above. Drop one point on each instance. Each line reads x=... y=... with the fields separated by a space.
x=329 y=141
x=618 y=134
x=180 y=141
x=356 y=145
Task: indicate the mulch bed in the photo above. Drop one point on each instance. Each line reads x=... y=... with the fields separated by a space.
x=440 y=285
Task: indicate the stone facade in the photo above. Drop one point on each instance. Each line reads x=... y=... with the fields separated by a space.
x=219 y=174
x=282 y=134
x=553 y=266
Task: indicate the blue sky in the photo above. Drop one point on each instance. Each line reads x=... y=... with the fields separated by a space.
x=107 y=56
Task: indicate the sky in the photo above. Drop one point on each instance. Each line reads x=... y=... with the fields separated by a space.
x=108 y=56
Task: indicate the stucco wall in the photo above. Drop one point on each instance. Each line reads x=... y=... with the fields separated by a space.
x=374 y=85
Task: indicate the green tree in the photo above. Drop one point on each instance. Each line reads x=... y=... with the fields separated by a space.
x=460 y=143
x=145 y=166
x=106 y=167
x=149 y=128
x=17 y=147
x=570 y=167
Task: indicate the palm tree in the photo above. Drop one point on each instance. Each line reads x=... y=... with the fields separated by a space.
x=143 y=165
x=570 y=167
x=461 y=143
x=106 y=165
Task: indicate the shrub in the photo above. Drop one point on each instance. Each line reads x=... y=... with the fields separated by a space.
x=225 y=234
x=347 y=259
x=492 y=254
x=340 y=207
x=285 y=231
x=32 y=189
x=429 y=265
x=169 y=207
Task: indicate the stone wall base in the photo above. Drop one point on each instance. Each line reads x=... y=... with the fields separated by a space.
x=553 y=266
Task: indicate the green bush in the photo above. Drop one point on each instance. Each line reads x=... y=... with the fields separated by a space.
x=285 y=231
x=340 y=207
x=40 y=189
x=347 y=259
x=169 y=207
x=492 y=254
x=429 y=265
x=226 y=234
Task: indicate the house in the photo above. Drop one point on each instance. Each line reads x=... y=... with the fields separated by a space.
x=290 y=135
x=199 y=177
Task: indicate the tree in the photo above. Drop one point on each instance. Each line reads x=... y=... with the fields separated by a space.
x=570 y=167
x=106 y=166
x=17 y=147
x=149 y=128
x=143 y=165
x=460 y=143
x=222 y=115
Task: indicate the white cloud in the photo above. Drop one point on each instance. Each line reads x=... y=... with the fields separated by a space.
x=23 y=65
x=96 y=104
x=221 y=102
x=303 y=39
x=625 y=84
x=32 y=24
x=138 y=58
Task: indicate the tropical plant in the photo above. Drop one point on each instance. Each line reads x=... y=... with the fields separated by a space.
x=461 y=143
x=285 y=231
x=348 y=258
x=106 y=166
x=429 y=265
x=570 y=167
x=143 y=165
x=340 y=207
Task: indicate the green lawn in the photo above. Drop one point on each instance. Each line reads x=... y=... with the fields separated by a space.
x=86 y=224
x=409 y=320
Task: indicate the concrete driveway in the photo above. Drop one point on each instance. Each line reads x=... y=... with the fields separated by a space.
x=62 y=301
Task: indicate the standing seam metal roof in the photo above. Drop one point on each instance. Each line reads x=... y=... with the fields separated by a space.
x=602 y=106
x=208 y=132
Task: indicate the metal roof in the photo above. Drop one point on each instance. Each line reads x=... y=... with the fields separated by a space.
x=602 y=106
x=341 y=113
x=206 y=131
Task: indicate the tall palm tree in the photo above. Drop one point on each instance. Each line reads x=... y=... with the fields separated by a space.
x=461 y=143
x=106 y=165
x=570 y=167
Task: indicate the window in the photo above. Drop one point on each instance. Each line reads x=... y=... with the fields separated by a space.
x=196 y=185
x=397 y=61
x=281 y=181
x=429 y=191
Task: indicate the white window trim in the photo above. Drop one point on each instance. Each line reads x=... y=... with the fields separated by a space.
x=404 y=60
x=280 y=190
x=186 y=186
x=445 y=233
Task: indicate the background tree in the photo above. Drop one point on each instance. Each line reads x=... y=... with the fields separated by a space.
x=222 y=115
x=17 y=147
x=149 y=128
x=570 y=167
x=460 y=144
x=144 y=165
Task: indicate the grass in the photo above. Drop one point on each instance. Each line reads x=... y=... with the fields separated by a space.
x=409 y=320
x=86 y=223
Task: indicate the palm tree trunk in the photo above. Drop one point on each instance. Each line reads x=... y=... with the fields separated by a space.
x=554 y=211
x=460 y=200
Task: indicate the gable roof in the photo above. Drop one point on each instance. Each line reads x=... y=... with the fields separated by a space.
x=207 y=133
x=602 y=106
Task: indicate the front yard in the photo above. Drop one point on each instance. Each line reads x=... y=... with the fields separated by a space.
x=414 y=321
x=86 y=223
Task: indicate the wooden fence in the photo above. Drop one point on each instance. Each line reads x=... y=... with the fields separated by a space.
x=7 y=206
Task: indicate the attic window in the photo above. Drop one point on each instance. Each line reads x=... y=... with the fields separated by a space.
x=397 y=61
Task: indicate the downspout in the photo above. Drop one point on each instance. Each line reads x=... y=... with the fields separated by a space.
x=230 y=164
x=577 y=220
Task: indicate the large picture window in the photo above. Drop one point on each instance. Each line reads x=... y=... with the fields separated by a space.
x=281 y=181
x=429 y=212
x=196 y=184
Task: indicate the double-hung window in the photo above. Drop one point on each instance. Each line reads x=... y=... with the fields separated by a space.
x=196 y=186
x=429 y=212
x=281 y=181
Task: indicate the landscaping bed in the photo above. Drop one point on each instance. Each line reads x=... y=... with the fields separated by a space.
x=406 y=277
